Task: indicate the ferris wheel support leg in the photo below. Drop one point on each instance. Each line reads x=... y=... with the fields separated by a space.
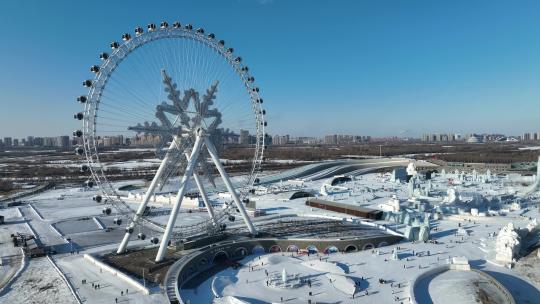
x=179 y=196
x=146 y=198
x=228 y=184
x=207 y=203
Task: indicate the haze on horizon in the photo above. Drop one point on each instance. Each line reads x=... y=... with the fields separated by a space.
x=353 y=67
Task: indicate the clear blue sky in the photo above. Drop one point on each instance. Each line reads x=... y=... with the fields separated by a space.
x=359 y=67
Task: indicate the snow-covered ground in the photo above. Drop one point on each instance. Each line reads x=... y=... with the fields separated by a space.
x=367 y=267
x=38 y=283
x=11 y=257
x=370 y=190
x=111 y=287
x=58 y=214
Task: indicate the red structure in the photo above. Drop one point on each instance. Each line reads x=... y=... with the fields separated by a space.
x=372 y=214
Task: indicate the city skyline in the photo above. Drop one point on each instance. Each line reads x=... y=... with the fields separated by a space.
x=417 y=67
x=244 y=137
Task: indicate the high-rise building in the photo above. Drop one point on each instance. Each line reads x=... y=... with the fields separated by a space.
x=441 y=137
x=7 y=142
x=145 y=140
x=111 y=141
x=331 y=139
x=77 y=141
x=281 y=140
x=30 y=140
x=244 y=137
x=306 y=140
x=49 y=141
x=38 y=141
x=62 y=141
x=15 y=142
x=344 y=139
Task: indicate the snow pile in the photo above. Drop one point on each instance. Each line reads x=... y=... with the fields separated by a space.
x=335 y=274
x=451 y=196
x=411 y=169
x=508 y=244
x=533 y=226
x=324 y=267
x=274 y=259
x=463 y=232
x=219 y=283
x=342 y=283
x=229 y=300
x=391 y=205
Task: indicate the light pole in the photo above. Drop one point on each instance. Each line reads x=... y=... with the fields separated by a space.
x=70 y=244
x=143 y=280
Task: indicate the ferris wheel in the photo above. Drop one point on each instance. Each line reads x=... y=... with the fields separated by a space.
x=188 y=96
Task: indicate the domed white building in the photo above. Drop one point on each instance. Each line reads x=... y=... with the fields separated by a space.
x=474 y=139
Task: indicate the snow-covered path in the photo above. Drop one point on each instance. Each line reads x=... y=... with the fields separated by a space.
x=38 y=283
x=77 y=269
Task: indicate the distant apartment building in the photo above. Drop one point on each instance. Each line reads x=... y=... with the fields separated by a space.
x=531 y=136
x=15 y=142
x=342 y=139
x=7 y=142
x=30 y=141
x=111 y=141
x=58 y=141
x=77 y=141
x=281 y=140
x=49 y=141
x=331 y=139
x=63 y=141
x=244 y=137
x=145 y=140
x=441 y=137
x=38 y=141
x=306 y=140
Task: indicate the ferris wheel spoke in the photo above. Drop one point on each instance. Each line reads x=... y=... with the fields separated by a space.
x=120 y=105
x=143 y=76
x=135 y=97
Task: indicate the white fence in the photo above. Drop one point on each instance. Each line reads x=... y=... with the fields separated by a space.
x=118 y=273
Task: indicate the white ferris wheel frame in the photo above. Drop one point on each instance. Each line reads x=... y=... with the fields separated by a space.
x=97 y=171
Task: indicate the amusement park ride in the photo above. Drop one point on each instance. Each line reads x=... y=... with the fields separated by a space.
x=125 y=98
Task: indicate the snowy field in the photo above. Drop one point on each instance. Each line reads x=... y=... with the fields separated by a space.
x=61 y=214
x=11 y=257
x=366 y=268
x=110 y=286
x=38 y=283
